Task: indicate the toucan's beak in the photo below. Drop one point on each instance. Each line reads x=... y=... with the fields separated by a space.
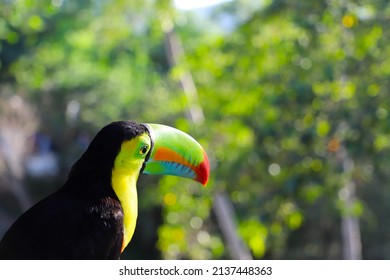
x=176 y=153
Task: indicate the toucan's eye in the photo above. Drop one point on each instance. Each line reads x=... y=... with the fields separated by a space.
x=144 y=150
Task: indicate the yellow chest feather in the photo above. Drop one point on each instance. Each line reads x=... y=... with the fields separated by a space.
x=125 y=188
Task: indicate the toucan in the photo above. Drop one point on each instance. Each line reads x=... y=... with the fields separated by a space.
x=93 y=215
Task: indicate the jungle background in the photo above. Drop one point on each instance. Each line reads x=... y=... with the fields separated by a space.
x=289 y=98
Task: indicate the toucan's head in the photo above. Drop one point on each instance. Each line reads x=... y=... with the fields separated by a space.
x=149 y=149
x=163 y=150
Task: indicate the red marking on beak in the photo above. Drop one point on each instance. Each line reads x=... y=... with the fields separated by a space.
x=203 y=170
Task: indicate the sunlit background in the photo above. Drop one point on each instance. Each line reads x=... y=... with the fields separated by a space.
x=192 y=5
x=289 y=98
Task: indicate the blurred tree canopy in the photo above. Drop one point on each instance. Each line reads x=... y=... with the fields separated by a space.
x=295 y=100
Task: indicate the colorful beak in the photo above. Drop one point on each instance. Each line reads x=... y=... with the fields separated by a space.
x=176 y=153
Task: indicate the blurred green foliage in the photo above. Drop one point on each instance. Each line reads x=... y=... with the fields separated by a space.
x=291 y=94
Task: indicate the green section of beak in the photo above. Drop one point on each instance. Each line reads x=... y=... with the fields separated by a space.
x=176 y=153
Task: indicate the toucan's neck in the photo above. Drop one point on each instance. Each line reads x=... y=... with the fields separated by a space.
x=111 y=170
x=89 y=178
x=124 y=185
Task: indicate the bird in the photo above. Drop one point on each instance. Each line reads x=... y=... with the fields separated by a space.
x=93 y=215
